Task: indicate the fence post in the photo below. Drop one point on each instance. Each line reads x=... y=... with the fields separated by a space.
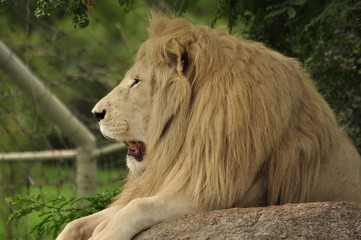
x=56 y=111
x=86 y=170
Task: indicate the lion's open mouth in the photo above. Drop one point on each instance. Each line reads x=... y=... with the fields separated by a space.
x=136 y=149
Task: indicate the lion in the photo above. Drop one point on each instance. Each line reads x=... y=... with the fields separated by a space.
x=214 y=122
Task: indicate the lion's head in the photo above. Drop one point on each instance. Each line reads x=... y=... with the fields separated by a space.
x=140 y=109
x=226 y=122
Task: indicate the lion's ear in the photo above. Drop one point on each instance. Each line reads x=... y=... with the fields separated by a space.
x=171 y=38
x=178 y=56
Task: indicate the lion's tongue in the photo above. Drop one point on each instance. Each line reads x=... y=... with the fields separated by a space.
x=134 y=149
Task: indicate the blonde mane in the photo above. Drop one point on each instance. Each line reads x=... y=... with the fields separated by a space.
x=237 y=112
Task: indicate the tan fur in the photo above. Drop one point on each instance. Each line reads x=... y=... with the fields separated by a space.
x=226 y=123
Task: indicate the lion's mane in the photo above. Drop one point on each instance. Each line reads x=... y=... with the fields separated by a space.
x=226 y=113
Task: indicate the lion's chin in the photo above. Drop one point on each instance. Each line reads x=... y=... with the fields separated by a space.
x=136 y=149
x=106 y=134
x=109 y=138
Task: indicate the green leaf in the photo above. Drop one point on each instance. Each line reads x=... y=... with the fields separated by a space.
x=291 y=12
x=277 y=12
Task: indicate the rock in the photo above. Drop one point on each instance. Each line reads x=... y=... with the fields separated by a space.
x=326 y=220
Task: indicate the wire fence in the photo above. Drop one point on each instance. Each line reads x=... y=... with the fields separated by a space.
x=78 y=66
x=26 y=170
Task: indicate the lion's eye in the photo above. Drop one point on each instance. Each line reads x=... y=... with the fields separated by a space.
x=135 y=82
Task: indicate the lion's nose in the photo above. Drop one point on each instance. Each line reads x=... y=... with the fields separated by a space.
x=99 y=115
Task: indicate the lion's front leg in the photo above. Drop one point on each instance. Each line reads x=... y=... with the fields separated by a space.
x=83 y=228
x=141 y=214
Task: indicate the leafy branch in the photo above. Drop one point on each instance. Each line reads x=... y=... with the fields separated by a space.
x=55 y=213
x=78 y=9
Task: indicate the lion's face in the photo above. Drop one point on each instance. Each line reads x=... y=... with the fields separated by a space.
x=123 y=113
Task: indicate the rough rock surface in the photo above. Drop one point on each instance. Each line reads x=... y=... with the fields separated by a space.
x=327 y=220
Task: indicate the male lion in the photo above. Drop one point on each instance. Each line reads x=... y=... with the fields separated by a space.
x=214 y=122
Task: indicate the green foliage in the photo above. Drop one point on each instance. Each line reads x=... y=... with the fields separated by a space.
x=45 y=8
x=57 y=212
x=76 y=8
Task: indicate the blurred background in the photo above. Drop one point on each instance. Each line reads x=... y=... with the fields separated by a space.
x=80 y=50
